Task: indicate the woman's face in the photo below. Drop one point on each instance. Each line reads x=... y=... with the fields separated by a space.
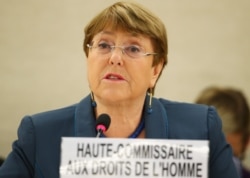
x=115 y=76
x=236 y=141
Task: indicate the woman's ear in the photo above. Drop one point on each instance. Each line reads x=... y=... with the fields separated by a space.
x=156 y=71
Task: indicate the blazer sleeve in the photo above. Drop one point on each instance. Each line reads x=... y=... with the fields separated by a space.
x=221 y=160
x=20 y=162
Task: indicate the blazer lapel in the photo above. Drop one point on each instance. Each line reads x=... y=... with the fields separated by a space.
x=84 y=119
x=156 y=123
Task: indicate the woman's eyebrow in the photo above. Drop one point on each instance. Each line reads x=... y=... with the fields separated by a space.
x=107 y=32
x=129 y=34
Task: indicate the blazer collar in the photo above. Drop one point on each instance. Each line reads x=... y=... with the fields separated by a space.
x=156 y=122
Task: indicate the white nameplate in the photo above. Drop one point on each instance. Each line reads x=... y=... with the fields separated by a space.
x=140 y=158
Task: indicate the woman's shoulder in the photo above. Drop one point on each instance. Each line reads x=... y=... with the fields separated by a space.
x=190 y=120
x=52 y=117
x=190 y=111
x=184 y=106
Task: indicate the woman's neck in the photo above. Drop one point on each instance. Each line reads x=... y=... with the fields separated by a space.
x=125 y=117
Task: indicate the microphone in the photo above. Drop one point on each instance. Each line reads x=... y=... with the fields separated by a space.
x=102 y=124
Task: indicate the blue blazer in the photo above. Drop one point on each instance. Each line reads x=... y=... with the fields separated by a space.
x=36 y=152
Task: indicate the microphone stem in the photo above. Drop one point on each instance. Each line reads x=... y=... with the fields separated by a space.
x=99 y=132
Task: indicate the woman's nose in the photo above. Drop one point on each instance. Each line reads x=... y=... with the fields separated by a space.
x=116 y=56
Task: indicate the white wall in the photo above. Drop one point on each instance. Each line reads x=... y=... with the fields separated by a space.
x=42 y=65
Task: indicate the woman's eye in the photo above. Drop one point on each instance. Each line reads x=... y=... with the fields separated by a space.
x=103 y=46
x=133 y=49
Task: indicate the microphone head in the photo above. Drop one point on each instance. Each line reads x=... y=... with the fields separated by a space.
x=103 y=122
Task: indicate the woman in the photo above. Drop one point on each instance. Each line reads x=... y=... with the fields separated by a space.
x=126 y=49
x=233 y=109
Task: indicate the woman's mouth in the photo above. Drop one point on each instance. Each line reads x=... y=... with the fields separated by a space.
x=111 y=76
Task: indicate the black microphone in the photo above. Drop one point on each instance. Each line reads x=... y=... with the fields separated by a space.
x=102 y=124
